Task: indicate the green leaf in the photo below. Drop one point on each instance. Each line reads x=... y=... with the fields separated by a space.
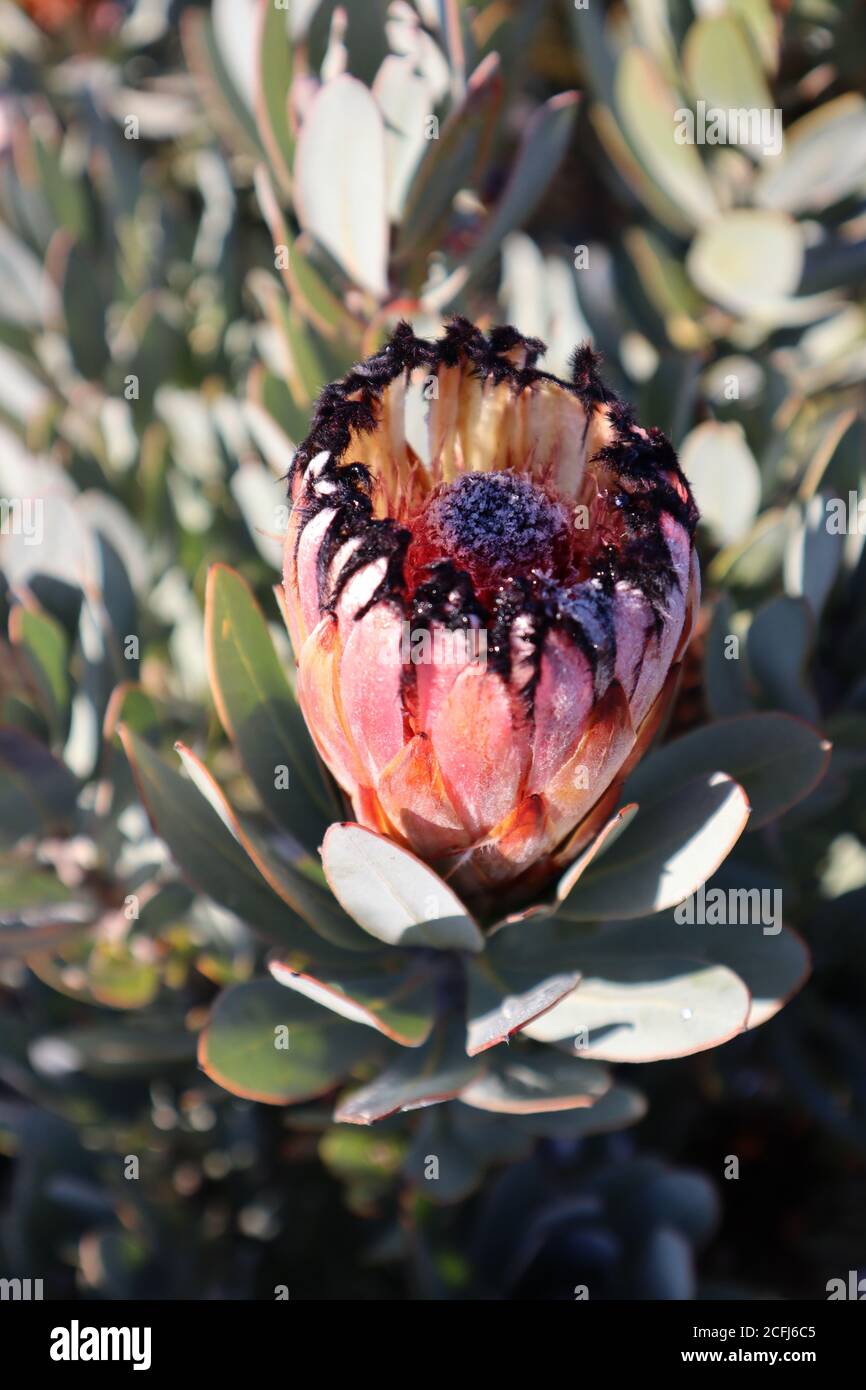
x=606 y=837
x=274 y=72
x=258 y=710
x=541 y=151
x=748 y=259
x=307 y=369
x=669 y=849
x=22 y=279
x=264 y=1043
x=310 y=292
x=206 y=851
x=763 y=28
x=116 y=978
x=777 y=759
x=452 y=163
x=634 y=178
x=618 y=1108
x=341 y=200
x=367 y=1163
x=460 y=1165
x=406 y=102
x=219 y=92
x=725 y=683
x=722 y=67
x=505 y=994
x=646 y=1007
x=37 y=792
x=296 y=881
x=725 y=478
x=780 y=640
x=647 y=109
x=526 y=1080
x=86 y=290
x=813 y=557
x=37 y=911
x=44 y=645
x=435 y=1072
x=663 y=280
x=272 y=395
x=755 y=561
x=393 y=895
x=532 y=962
x=131 y=706
x=26 y=888
x=591 y=34
x=393 y=992
x=823 y=160
x=66 y=195
x=773 y=964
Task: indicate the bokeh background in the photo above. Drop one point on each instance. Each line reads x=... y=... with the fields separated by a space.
x=158 y=361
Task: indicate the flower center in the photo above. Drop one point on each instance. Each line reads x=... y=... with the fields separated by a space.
x=496 y=526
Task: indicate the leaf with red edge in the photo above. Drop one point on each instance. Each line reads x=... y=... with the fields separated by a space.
x=206 y=851
x=437 y=1071
x=604 y=840
x=264 y=1043
x=503 y=1000
x=394 y=895
x=289 y=880
x=392 y=992
x=668 y=851
x=647 y=1007
x=773 y=963
x=527 y=1080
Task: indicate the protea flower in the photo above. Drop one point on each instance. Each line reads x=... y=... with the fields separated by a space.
x=487 y=637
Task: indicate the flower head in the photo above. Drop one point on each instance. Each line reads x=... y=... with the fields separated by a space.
x=487 y=613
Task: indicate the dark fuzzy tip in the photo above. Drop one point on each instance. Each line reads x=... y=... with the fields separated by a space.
x=644 y=464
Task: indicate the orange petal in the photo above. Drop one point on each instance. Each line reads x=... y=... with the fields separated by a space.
x=319 y=695
x=589 y=772
x=522 y=837
x=414 y=797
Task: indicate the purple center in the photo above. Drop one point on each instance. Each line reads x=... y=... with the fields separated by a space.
x=491 y=524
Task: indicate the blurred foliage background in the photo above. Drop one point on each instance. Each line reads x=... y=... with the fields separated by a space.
x=174 y=291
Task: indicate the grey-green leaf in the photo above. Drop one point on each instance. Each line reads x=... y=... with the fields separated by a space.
x=393 y=895
x=665 y=854
x=777 y=759
x=259 y=711
x=265 y=1043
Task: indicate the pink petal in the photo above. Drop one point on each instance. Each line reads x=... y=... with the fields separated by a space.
x=633 y=623
x=482 y=751
x=601 y=752
x=434 y=678
x=563 y=699
x=661 y=648
x=370 y=677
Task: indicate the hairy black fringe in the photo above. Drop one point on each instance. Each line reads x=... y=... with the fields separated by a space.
x=447 y=595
